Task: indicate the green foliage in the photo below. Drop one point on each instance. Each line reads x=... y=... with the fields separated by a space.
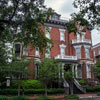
x=29 y=84
x=24 y=18
x=31 y=91
x=73 y=23
x=49 y=70
x=97 y=63
x=45 y=98
x=69 y=75
x=90 y=9
x=98 y=94
x=3 y=98
x=96 y=88
x=83 y=82
x=74 y=96
x=19 y=98
x=97 y=72
x=55 y=91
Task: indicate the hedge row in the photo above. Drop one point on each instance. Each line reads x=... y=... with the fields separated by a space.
x=96 y=88
x=14 y=98
x=30 y=91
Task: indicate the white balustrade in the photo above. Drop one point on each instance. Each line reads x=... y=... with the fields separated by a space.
x=81 y=41
x=66 y=57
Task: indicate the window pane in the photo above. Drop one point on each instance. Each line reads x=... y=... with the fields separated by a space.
x=87 y=53
x=78 y=53
x=25 y=50
x=88 y=71
x=79 y=71
x=62 y=51
x=17 y=48
x=62 y=38
x=37 y=52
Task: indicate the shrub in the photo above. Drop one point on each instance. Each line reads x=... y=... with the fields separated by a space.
x=28 y=84
x=45 y=98
x=9 y=91
x=3 y=98
x=96 y=88
x=90 y=89
x=55 y=91
x=19 y=98
x=98 y=94
x=30 y=91
x=72 y=96
x=83 y=82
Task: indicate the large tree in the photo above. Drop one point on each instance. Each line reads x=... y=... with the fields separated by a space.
x=90 y=10
x=21 y=20
x=17 y=70
x=49 y=71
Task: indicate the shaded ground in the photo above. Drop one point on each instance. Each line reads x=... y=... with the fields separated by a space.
x=61 y=97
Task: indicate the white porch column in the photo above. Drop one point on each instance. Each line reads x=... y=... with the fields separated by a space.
x=76 y=71
x=62 y=70
x=73 y=71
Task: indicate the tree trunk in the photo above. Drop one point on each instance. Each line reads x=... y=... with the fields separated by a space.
x=19 y=85
x=45 y=89
x=71 y=88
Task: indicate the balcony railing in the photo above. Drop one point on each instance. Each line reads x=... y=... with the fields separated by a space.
x=81 y=41
x=66 y=57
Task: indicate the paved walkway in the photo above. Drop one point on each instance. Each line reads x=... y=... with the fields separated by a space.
x=61 y=97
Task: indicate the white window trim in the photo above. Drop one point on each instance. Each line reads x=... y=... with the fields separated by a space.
x=25 y=53
x=47 y=54
x=20 y=48
x=88 y=73
x=37 y=52
x=62 y=31
x=87 y=47
x=47 y=32
x=80 y=50
x=83 y=34
x=62 y=46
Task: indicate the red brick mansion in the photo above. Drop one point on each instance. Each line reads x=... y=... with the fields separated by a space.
x=70 y=49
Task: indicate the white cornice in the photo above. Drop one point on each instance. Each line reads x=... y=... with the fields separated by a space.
x=62 y=46
x=97 y=45
x=87 y=46
x=62 y=30
x=78 y=46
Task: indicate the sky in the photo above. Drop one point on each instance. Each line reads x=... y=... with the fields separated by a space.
x=65 y=8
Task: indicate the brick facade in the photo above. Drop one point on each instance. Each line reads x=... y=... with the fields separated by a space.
x=65 y=50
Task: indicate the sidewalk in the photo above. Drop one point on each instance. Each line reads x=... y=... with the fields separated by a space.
x=61 y=97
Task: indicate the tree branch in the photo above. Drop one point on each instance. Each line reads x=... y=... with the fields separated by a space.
x=13 y=14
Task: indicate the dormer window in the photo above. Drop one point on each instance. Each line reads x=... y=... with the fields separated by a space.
x=55 y=16
x=62 y=34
